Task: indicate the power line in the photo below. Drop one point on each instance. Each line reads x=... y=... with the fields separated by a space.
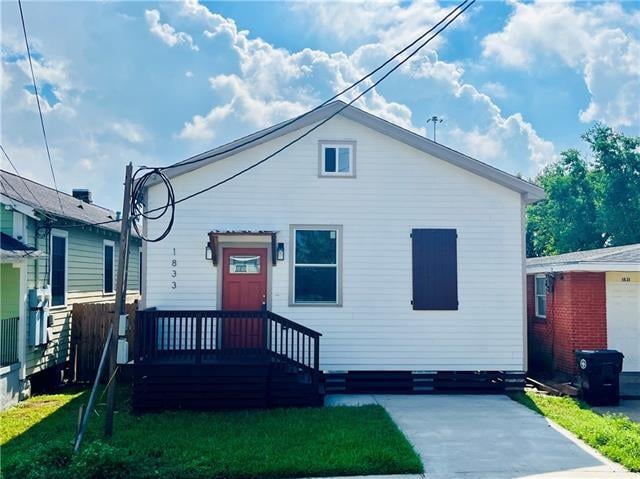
x=19 y=176
x=2 y=182
x=171 y=205
x=346 y=105
x=193 y=160
x=35 y=89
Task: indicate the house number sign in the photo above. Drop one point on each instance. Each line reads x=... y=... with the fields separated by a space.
x=174 y=271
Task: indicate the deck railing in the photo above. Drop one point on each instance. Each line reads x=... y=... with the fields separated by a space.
x=200 y=336
x=9 y=341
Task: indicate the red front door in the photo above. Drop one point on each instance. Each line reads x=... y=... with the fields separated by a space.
x=244 y=288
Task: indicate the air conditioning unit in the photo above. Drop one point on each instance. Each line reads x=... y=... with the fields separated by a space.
x=39 y=329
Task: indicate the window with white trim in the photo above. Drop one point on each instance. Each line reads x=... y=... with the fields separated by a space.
x=58 y=267
x=541 y=295
x=337 y=159
x=107 y=267
x=316 y=278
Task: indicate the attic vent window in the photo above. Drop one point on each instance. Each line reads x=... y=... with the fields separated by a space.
x=337 y=158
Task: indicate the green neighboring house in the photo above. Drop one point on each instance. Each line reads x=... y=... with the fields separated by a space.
x=51 y=258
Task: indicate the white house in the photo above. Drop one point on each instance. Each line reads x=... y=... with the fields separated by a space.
x=404 y=254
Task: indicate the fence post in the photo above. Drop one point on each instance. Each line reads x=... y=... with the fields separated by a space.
x=265 y=328
x=198 y=338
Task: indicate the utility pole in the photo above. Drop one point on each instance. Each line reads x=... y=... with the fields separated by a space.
x=435 y=120
x=121 y=296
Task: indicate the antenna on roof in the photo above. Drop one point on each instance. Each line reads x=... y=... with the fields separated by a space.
x=435 y=120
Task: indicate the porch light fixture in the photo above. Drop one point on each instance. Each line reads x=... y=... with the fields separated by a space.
x=208 y=254
x=280 y=253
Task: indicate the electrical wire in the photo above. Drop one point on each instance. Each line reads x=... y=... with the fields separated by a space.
x=19 y=176
x=138 y=207
x=35 y=89
x=170 y=203
x=20 y=197
x=318 y=125
x=195 y=159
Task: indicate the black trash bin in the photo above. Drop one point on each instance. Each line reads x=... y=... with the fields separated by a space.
x=600 y=375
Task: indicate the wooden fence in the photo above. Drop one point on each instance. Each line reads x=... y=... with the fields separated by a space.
x=88 y=333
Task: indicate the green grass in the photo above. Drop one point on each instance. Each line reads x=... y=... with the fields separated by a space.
x=37 y=437
x=614 y=435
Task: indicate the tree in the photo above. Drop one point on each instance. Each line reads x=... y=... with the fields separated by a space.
x=589 y=204
x=617 y=168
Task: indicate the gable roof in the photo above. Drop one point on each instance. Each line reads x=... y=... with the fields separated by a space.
x=47 y=202
x=532 y=192
x=619 y=257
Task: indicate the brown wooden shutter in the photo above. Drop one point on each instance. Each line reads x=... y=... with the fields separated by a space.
x=435 y=269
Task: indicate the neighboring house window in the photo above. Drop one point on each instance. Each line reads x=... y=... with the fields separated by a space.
x=337 y=158
x=541 y=295
x=316 y=272
x=107 y=267
x=58 y=265
x=435 y=269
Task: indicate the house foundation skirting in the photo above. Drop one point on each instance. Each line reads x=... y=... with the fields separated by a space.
x=423 y=382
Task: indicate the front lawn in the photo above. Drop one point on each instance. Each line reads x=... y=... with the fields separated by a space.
x=615 y=436
x=37 y=438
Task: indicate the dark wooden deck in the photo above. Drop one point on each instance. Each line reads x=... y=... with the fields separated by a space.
x=224 y=360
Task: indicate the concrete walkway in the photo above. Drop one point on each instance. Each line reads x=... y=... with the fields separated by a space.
x=488 y=437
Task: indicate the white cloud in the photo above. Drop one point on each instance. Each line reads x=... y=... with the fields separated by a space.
x=87 y=164
x=201 y=128
x=52 y=72
x=28 y=102
x=390 y=22
x=274 y=84
x=188 y=74
x=130 y=131
x=5 y=78
x=495 y=89
x=166 y=32
x=57 y=92
x=600 y=42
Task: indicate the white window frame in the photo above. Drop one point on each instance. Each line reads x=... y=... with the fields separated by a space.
x=106 y=243
x=19 y=226
x=337 y=265
x=65 y=235
x=538 y=294
x=350 y=145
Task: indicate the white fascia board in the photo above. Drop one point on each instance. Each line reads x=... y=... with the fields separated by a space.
x=19 y=207
x=593 y=267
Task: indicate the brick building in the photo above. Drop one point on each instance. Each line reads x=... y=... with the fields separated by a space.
x=583 y=300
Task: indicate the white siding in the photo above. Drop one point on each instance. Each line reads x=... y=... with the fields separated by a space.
x=397 y=188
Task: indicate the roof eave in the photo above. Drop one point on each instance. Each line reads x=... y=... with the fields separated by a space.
x=592 y=266
x=532 y=192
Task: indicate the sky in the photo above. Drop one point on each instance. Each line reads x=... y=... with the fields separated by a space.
x=516 y=83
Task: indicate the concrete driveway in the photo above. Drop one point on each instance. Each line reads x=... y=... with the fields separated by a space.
x=487 y=437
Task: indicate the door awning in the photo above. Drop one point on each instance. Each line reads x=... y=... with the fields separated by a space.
x=214 y=240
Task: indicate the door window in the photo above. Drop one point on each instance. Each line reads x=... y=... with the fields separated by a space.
x=244 y=264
